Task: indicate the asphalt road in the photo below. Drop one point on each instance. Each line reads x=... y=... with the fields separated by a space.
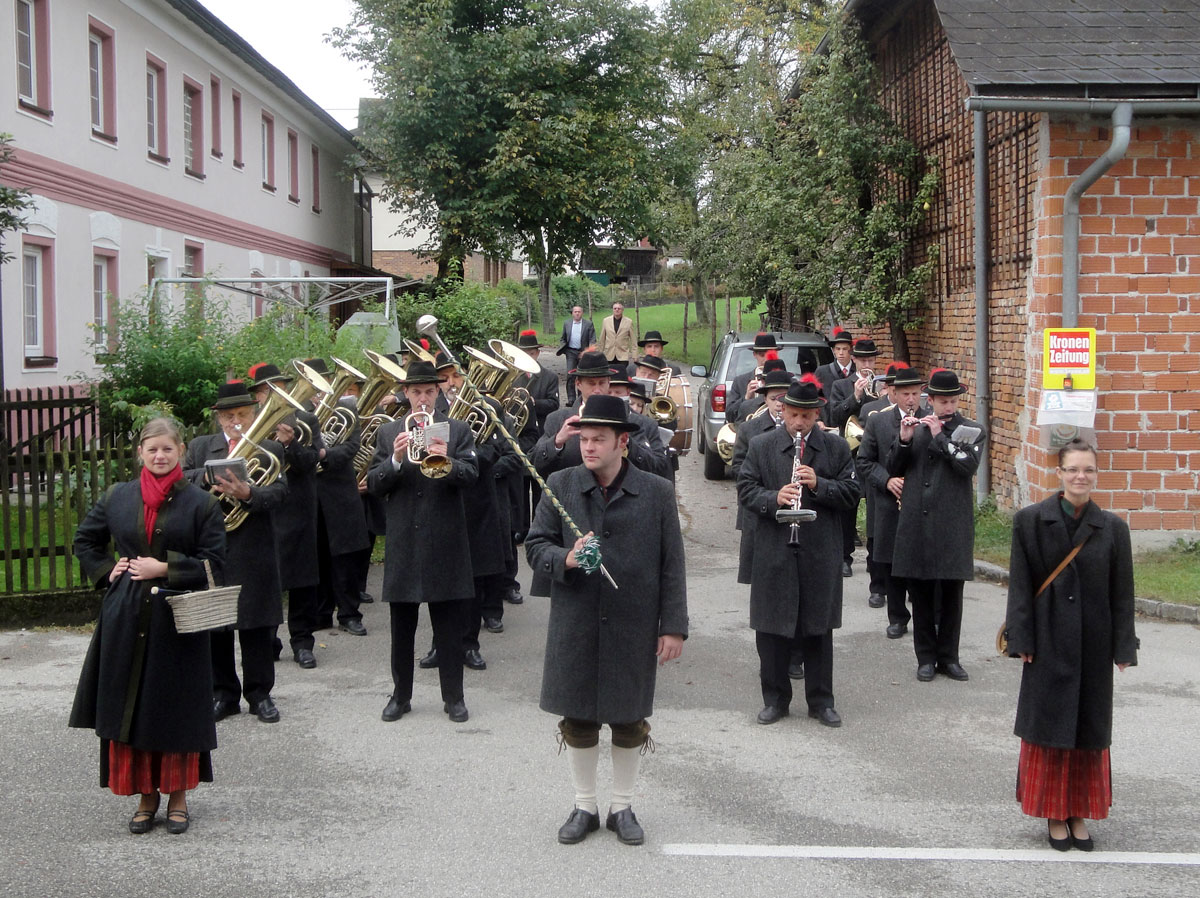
x=913 y=796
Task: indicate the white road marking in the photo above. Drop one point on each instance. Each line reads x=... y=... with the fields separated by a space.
x=884 y=853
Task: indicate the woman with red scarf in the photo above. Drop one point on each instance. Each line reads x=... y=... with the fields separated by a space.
x=145 y=689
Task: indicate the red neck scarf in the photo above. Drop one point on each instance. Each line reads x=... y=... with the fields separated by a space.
x=154 y=493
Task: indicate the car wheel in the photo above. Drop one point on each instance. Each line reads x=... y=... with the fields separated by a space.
x=714 y=465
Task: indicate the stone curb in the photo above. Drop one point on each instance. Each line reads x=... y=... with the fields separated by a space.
x=1189 y=614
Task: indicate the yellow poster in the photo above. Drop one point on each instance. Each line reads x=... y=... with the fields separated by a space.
x=1069 y=358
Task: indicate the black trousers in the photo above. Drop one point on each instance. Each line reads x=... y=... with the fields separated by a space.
x=878 y=577
x=339 y=587
x=572 y=356
x=258 y=664
x=362 y=563
x=849 y=523
x=896 y=590
x=936 y=619
x=448 y=622
x=774 y=655
x=488 y=601
x=304 y=617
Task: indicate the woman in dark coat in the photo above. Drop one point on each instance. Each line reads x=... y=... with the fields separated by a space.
x=145 y=689
x=1069 y=636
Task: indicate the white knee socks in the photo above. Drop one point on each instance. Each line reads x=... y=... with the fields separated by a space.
x=583 y=776
x=626 y=762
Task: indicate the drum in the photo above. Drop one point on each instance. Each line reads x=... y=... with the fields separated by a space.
x=680 y=392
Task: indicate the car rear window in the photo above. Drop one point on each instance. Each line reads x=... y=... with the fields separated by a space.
x=742 y=358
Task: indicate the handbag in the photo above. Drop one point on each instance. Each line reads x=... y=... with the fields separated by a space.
x=1002 y=633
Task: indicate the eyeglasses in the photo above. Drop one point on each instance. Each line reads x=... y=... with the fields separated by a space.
x=1075 y=472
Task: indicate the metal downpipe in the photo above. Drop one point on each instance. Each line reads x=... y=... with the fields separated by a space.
x=983 y=357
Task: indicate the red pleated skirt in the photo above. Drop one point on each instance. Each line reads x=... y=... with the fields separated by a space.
x=1058 y=783
x=130 y=771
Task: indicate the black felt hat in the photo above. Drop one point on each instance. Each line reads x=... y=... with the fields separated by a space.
x=638 y=389
x=318 y=365
x=443 y=361
x=421 y=373
x=804 y=394
x=607 y=411
x=764 y=341
x=529 y=340
x=652 y=361
x=944 y=382
x=841 y=336
x=864 y=349
x=620 y=377
x=652 y=337
x=908 y=377
x=775 y=379
x=774 y=365
x=592 y=364
x=233 y=395
x=265 y=373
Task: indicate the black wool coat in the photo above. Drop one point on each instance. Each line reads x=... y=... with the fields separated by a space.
x=600 y=642
x=935 y=537
x=883 y=512
x=805 y=584
x=143 y=683
x=735 y=397
x=250 y=558
x=427 y=557
x=746 y=431
x=296 y=518
x=830 y=373
x=337 y=493
x=543 y=389
x=1076 y=630
x=486 y=506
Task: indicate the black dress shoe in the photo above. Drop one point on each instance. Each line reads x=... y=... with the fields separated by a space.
x=578 y=825
x=895 y=631
x=429 y=661
x=875 y=600
x=827 y=716
x=493 y=625
x=266 y=711
x=223 y=708
x=847 y=571
x=515 y=598
x=772 y=714
x=365 y=598
x=395 y=709
x=143 y=821
x=625 y=825
x=953 y=670
x=305 y=658
x=457 y=711
x=354 y=627
x=1085 y=844
x=925 y=672
x=178 y=821
x=796 y=670
x=474 y=660
x=1059 y=844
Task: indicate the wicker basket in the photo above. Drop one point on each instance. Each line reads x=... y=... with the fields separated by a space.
x=206 y=609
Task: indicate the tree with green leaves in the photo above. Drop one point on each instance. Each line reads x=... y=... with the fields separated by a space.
x=14 y=201
x=524 y=123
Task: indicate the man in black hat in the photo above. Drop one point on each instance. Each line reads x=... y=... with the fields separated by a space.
x=543 y=386
x=295 y=521
x=601 y=650
x=249 y=557
x=796 y=590
x=937 y=456
x=578 y=334
x=745 y=385
x=652 y=345
x=559 y=446
x=750 y=406
x=880 y=427
x=426 y=558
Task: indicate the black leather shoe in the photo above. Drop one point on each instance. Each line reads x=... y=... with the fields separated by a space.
x=143 y=821
x=365 y=598
x=827 y=716
x=493 y=625
x=1059 y=844
x=354 y=627
x=474 y=660
x=519 y=538
x=895 y=631
x=578 y=825
x=1084 y=844
x=178 y=821
x=266 y=711
x=772 y=714
x=305 y=658
x=953 y=670
x=395 y=709
x=924 y=672
x=875 y=600
x=457 y=711
x=429 y=661
x=223 y=709
x=625 y=825
x=515 y=598
x=847 y=571
x=796 y=670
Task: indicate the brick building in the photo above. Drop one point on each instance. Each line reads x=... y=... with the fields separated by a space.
x=1038 y=83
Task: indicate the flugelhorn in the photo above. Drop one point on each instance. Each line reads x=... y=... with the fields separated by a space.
x=432 y=466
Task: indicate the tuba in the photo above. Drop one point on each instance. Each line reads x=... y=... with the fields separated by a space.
x=516 y=400
x=337 y=421
x=384 y=378
x=277 y=407
x=421 y=352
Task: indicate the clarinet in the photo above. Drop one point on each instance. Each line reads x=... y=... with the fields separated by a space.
x=795 y=515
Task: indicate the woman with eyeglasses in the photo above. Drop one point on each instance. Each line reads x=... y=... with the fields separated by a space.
x=1070 y=620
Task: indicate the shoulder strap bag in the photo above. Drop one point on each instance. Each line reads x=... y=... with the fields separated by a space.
x=1002 y=633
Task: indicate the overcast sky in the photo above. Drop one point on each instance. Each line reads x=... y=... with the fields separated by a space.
x=291 y=36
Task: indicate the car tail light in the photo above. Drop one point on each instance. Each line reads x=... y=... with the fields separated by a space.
x=717 y=400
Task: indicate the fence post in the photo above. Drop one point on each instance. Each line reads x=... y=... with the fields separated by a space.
x=685 y=327
x=637 y=312
x=712 y=349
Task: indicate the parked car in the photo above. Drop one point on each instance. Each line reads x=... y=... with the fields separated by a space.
x=735 y=356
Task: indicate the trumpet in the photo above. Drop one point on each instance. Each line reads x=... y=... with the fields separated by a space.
x=796 y=514
x=432 y=466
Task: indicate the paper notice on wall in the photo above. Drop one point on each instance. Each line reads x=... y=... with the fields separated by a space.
x=1065 y=415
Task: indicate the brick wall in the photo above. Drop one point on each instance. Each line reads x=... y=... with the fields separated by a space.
x=1139 y=286
x=410 y=263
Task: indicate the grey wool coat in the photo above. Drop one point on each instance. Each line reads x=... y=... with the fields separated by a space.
x=600 y=643
x=790 y=586
x=1076 y=630
x=746 y=431
x=427 y=555
x=296 y=519
x=337 y=492
x=935 y=536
